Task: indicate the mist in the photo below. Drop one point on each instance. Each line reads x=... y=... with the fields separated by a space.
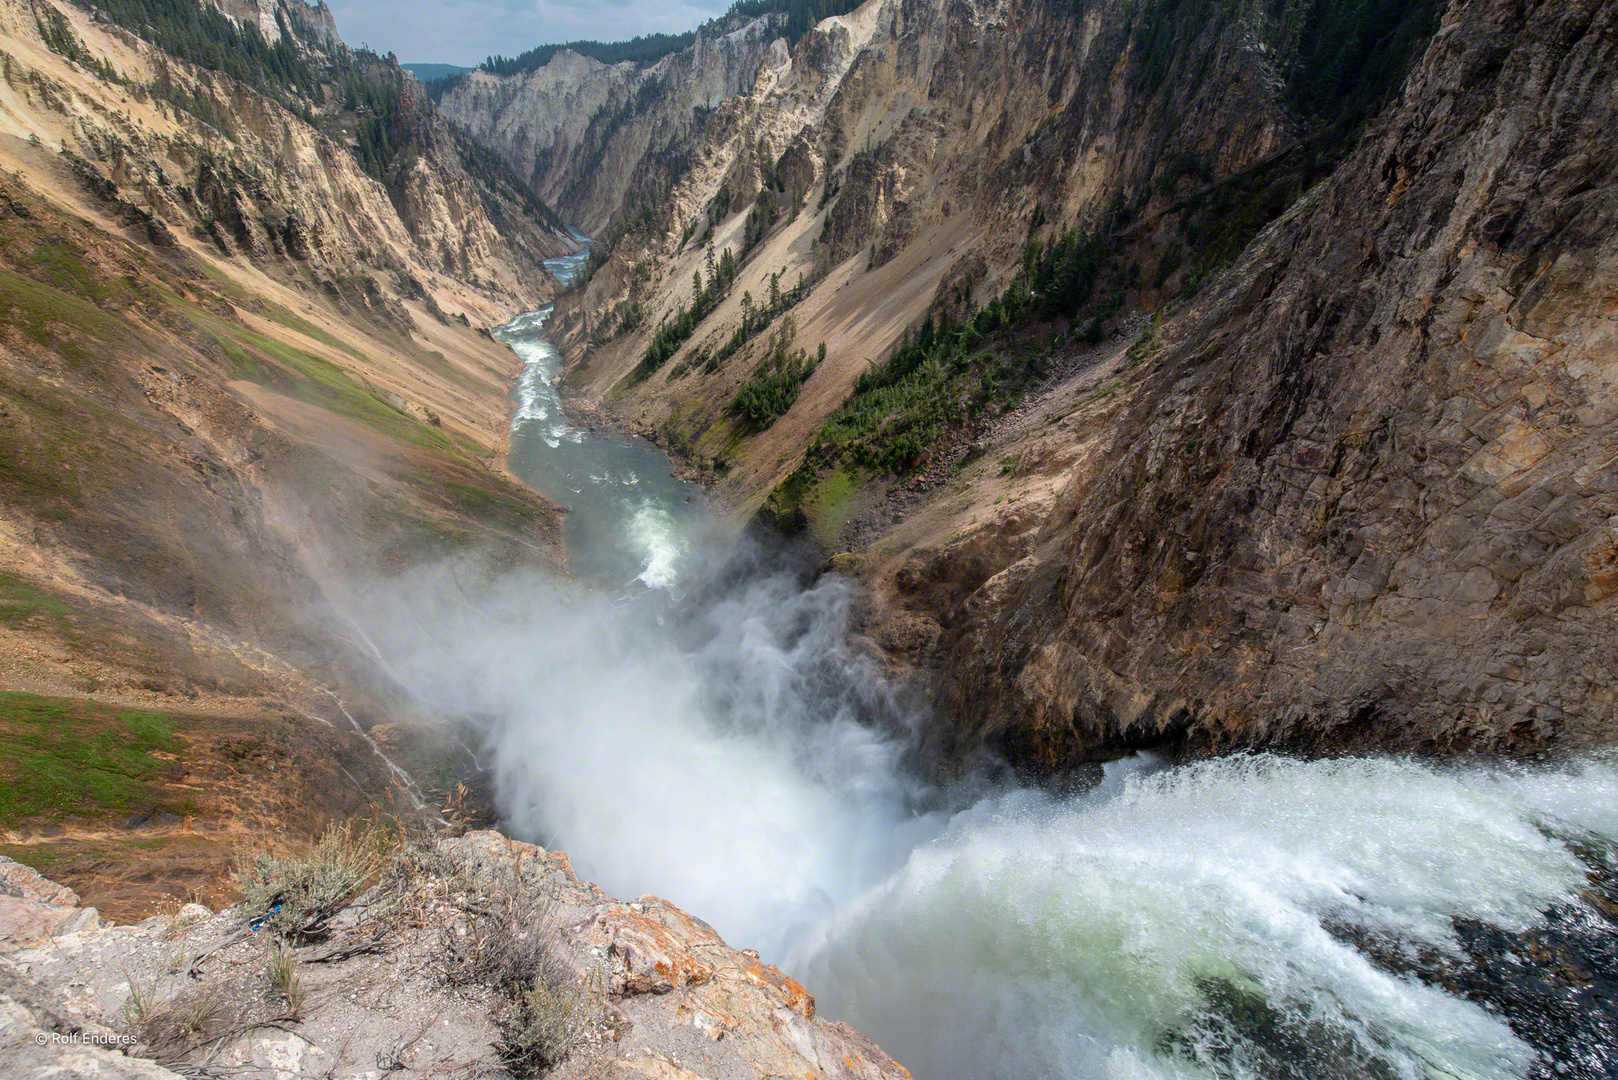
x=723 y=748
x=694 y=722
x=722 y=745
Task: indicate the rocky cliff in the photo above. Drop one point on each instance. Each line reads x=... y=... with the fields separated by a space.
x=1362 y=492
x=653 y=992
x=313 y=24
x=595 y=140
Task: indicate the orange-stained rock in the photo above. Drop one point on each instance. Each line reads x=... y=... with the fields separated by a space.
x=671 y=977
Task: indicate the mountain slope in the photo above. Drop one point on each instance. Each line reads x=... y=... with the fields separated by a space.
x=909 y=157
x=238 y=370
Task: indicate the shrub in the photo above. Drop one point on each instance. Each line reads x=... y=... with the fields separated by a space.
x=772 y=388
x=542 y=1028
x=297 y=894
x=507 y=942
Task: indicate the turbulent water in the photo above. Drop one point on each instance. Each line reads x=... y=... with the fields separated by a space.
x=1220 y=920
x=709 y=736
x=627 y=517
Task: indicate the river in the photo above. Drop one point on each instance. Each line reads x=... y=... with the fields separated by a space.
x=628 y=518
x=702 y=730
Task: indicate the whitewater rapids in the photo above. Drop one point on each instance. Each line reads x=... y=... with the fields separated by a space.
x=704 y=732
x=1221 y=919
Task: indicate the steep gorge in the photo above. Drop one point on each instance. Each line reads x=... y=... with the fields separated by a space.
x=1321 y=502
x=1175 y=377
x=595 y=140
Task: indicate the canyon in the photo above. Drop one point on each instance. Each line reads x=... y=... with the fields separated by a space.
x=1349 y=487
x=1145 y=448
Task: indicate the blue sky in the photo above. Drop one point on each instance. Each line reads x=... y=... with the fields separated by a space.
x=449 y=32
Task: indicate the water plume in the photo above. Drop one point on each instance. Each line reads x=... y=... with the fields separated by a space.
x=733 y=755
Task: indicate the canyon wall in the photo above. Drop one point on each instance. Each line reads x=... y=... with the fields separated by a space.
x=594 y=139
x=1365 y=492
x=1351 y=485
x=894 y=155
x=241 y=361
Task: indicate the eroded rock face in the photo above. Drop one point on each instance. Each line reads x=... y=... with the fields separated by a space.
x=33 y=909
x=310 y=20
x=588 y=135
x=679 y=989
x=1366 y=492
x=280 y=189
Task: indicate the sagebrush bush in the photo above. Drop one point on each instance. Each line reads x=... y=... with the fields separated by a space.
x=299 y=893
x=540 y=1029
x=510 y=946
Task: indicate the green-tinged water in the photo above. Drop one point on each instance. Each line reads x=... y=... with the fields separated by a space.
x=628 y=518
x=715 y=740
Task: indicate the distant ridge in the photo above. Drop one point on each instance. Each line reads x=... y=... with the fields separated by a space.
x=434 y=71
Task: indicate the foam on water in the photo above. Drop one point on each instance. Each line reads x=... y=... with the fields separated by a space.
x=657 y=534
x=626 y=513
x=1130 y=933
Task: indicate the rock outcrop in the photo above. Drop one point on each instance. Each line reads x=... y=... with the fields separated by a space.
x=312 y=22
x=593 y=139
x=667 y=997
x=33 y=910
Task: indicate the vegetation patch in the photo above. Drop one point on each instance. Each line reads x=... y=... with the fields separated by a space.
x=76 y=757
x=493 y=507
x=49 y=313
x=705 y=296
x=772 y=388
x=933 y=380
x=204 y=35
x=52 y=447
x=297 y=894
x=757 y=317
x=312 y=379
x=510 y=947
x=20 y=602
x=829 y=502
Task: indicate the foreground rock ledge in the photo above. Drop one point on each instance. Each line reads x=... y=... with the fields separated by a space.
x=676 y=1000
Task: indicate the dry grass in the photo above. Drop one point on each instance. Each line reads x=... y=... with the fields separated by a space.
x=504 y=937
x=174 y=1018
x=282 y=969
x=363 y=887
x=298 y=894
